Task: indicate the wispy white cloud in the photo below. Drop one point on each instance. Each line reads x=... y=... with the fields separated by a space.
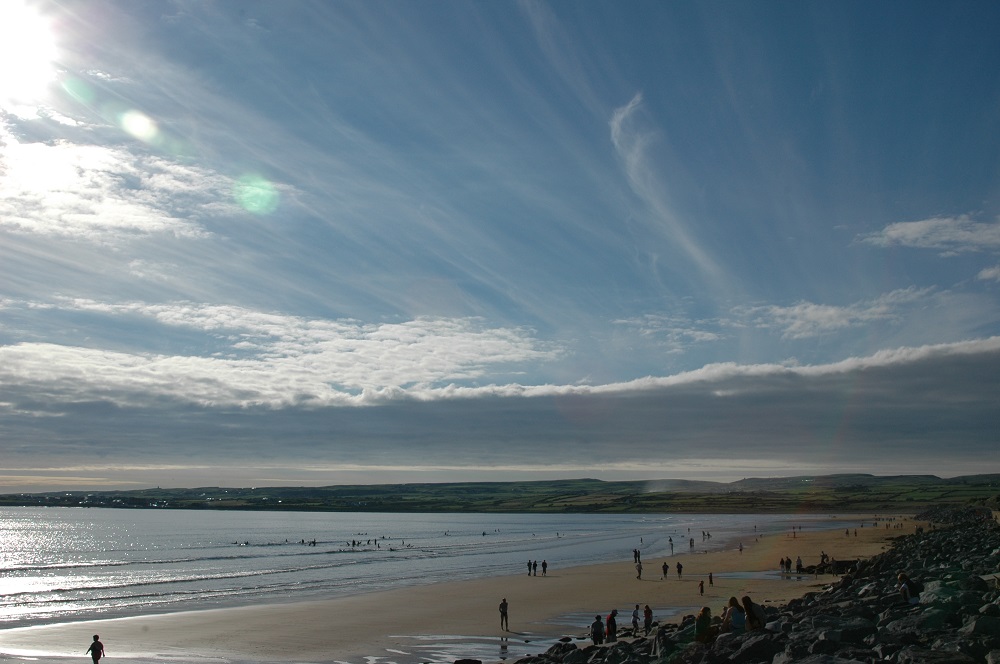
x=633 y=139
x=949 y=235
x=989 y=274
x=808 y=319
x=281 y=361
x=272 y=360
x=105 y=194
x=675 y=333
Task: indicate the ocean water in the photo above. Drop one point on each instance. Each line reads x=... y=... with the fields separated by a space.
x=65 y=564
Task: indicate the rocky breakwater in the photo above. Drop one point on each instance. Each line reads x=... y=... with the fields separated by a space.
x=861 y=617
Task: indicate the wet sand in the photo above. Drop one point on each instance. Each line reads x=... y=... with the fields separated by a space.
x=440 y=622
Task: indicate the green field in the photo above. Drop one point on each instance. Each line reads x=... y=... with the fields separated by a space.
x=829 y=493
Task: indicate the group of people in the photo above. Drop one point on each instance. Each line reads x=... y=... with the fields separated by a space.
x=606 y=630
x=736 y=618
x=533 y=568
x=785 y=565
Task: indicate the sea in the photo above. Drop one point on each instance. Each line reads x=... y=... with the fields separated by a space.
x=64 y=565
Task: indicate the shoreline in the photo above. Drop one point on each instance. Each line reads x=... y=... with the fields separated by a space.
x=432 y=623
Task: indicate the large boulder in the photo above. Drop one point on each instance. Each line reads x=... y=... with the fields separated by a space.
x=560 y=649
x=981 y=626
x=850 y=630
x=758 y=647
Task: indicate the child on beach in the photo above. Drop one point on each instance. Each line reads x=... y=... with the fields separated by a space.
x=96 y=648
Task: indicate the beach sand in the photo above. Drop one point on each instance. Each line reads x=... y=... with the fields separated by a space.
x=439 y=622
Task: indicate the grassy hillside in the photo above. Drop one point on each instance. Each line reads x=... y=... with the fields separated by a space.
x=829 y=493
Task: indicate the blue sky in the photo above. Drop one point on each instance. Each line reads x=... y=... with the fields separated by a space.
x=305 y=243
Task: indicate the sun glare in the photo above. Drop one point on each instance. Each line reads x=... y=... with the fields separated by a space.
x=27 y=53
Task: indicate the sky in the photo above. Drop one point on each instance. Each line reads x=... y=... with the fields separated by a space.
x=250 y=243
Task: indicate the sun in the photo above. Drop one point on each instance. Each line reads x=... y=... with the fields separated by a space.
x=27 y=53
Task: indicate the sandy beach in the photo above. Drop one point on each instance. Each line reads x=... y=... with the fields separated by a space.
x=412 y=624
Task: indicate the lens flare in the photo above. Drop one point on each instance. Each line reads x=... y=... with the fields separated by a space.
x=256 y=194
x=78 y=90
x=139 y=125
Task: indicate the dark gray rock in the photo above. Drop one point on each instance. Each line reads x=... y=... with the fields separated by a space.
x=917 y=655
x=560 y=649
x=823 y=647
x=758 y=647
x=981 y=626
x=974 y=583
x=576 y=656
x=820 y=659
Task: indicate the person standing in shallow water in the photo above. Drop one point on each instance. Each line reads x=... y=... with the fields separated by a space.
x=504 y=625
x=96 y=649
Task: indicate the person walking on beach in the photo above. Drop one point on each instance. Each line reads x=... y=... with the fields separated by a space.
x=96 y=649
x=638 y=570
x=666 y=570
x=680 y=568
x=635 y=621
x=529 y=568
x=647 y=619
x=597 y=631
x=701 y=587
x=504 y=625
x=711 y=581
x=545 y=568
x=612 y=626
x=534 y=568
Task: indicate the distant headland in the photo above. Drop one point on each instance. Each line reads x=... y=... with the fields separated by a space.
x=821 y=493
